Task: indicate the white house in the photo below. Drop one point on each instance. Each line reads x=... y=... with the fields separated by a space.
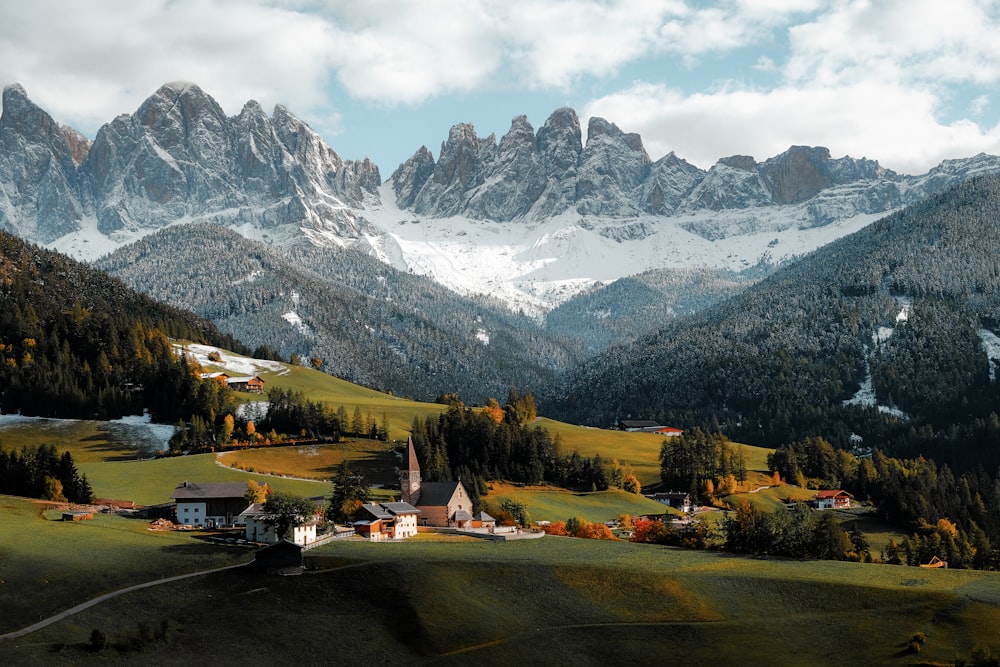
x=395 y=521
x=830 y=500
x=259 y=530
x=209 y=504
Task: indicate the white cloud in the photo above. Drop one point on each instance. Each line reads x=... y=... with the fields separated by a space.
x=88 y=62
x=862 y=76
x=902 y=40
x=896 y=126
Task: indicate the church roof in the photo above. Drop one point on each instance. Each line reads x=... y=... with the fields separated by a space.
x=437 y=493
x=412 y=463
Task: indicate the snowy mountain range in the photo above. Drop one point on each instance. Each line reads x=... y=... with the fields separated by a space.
x=533 y=219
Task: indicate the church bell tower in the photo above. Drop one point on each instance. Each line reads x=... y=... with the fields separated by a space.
x=409 y=479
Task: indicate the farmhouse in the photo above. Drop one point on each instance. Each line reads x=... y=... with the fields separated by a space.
x=219 y=376
x=209 y=504
x=835 y=499
x=643 y=426
x=249 y=383
x=380 y=521
x=676 y=499
x=441 y=504
x=259 y=527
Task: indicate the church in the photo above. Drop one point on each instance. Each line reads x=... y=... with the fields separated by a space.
x=441 y=504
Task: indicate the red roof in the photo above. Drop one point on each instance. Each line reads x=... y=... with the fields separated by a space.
x=833 y=494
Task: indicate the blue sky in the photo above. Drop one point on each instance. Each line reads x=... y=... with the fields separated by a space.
x=906 y=82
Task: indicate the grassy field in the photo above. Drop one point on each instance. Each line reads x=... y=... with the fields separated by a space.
x=552 y=601
x=151 y=482
x=553 y=504
x=640 y=450
x=378 y=461
x=47 y=565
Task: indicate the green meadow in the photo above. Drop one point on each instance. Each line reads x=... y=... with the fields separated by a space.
x=640 y=450
x=554 y=504
x=552 y=601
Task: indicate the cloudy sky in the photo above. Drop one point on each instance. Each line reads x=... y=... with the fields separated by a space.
x=906 y=82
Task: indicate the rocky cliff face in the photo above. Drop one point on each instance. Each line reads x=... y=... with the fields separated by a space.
x=40 y=194
x=177 y=157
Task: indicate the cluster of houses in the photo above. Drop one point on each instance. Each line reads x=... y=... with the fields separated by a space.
x=438 y=504
x=835 y=499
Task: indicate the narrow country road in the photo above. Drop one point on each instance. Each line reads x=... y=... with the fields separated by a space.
x=107 y=596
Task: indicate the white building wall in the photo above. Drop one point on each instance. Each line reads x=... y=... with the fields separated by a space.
x=192 y=513
x=405 y=526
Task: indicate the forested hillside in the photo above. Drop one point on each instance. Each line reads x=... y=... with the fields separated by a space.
x=908 y=305
x=631 y=307
x=75 y=342
x=365 y=321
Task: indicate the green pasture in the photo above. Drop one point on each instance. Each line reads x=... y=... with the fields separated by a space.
x=771 y=498
x=551 y=601
x=377 y=460
x=151 y=482
x=640 y=450
x=48 y=565
x=553 y=504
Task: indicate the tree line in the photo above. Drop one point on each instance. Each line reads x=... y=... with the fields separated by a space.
x=42 y=472
x=501 y=442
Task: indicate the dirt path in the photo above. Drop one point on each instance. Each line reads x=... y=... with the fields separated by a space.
x=107 y=596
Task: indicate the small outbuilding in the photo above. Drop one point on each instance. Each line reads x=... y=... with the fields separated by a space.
x=283 y=557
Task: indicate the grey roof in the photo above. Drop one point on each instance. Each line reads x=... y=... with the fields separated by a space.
x=257 y=509
x=462 y=515
x=207 y=490
x=436 y=493
x=388 y=510
x=400 y=508
x=483 y=516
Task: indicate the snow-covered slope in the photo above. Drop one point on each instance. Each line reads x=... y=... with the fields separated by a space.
x=537 y=265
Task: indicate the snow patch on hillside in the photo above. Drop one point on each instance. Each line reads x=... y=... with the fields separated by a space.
x=991 y=345
x=230 y=363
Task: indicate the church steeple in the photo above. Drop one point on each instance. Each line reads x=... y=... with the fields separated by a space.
x=409 y=479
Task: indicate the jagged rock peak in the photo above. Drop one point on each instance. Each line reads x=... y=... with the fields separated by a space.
x=744 y=162
x=410 y=176
x=598 y=127
x=13 y=89
x=17 y=104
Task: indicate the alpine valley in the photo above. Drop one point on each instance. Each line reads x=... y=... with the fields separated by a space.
x=804 y=294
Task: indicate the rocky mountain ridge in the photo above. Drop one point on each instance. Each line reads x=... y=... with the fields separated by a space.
x=178 y=157
x=532 y=176
x=558 y=200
